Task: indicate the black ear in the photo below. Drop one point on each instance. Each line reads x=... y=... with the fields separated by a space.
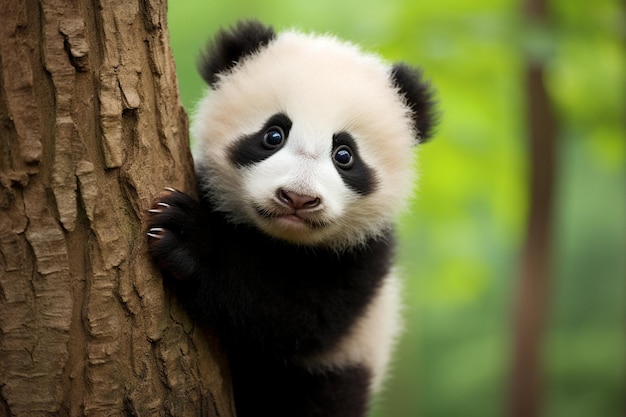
x=419 y=96
x=231 y=45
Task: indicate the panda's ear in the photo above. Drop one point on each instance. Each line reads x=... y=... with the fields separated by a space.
x=419 y=96
x=230 y=46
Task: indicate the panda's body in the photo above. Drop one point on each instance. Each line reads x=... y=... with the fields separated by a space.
x=303 y=154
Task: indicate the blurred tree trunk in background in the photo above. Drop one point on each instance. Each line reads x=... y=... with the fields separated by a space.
x=533 y=287
x=91 y=130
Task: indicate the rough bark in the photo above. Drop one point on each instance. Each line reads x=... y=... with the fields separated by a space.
x=91 y=130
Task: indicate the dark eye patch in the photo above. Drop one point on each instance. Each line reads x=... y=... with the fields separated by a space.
x=356 y=175
x=262 y=144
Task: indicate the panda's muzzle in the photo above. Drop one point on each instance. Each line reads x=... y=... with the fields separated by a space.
x=295 y=208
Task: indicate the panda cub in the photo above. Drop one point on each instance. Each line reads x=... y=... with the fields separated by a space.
x=303 y=153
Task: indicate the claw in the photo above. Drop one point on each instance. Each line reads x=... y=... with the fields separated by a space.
x=156 y=233
x=159 y=210
x=170 y=189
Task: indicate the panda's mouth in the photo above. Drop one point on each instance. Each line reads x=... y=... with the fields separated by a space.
x=292 y=218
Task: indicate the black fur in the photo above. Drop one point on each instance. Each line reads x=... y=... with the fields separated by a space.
x=250 y=150
x=231 y=46
x=359 y=176
x=419 y=96
x=273 y=304
x=290 y=391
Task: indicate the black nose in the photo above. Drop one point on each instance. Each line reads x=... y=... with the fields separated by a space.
x=297 y=201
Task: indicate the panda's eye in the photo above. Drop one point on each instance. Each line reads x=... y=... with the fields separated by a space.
x=343 y=157
x=273 y=138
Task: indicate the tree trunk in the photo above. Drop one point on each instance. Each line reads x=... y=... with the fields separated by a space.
x=91 y=130
x=533 y=287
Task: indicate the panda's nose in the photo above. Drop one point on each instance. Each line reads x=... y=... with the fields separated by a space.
x=297 y=201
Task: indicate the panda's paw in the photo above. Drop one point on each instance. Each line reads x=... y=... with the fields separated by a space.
x=173 y=231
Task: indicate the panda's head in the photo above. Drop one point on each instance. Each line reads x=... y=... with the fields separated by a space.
x=305 y=137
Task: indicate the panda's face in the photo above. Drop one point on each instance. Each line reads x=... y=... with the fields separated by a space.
x=301 y=182
x=309 y=141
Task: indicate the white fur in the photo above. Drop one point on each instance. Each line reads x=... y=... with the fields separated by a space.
x=371 y=340
x=325 y=87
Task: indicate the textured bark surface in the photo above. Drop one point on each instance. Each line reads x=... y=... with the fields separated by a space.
x=91 y=130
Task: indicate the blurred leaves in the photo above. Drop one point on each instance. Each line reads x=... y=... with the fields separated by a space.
x=460 y=242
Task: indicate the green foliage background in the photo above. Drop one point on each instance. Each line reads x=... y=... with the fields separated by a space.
x=462 y=239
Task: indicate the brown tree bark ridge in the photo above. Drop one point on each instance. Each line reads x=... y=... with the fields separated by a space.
x=92 y=129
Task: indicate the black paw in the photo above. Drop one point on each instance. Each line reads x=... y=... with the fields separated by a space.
x=174 y=231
